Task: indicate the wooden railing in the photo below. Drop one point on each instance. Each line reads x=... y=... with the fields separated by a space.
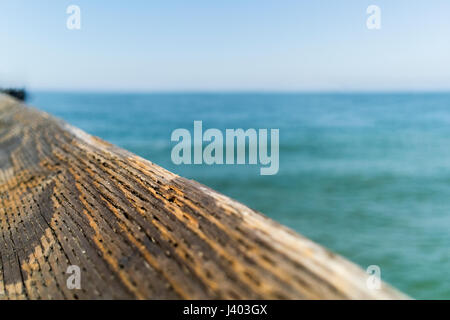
x=136 y=230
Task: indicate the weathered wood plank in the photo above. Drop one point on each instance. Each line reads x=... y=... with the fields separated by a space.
x=139 y=231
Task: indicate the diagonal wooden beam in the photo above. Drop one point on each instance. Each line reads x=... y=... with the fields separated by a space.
x=136 y=230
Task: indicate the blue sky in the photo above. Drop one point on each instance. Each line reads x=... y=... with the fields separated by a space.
x=226 y=45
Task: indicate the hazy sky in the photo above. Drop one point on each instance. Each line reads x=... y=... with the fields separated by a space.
x=156 y=45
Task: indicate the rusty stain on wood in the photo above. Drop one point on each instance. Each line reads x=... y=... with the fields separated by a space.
x=138 y=231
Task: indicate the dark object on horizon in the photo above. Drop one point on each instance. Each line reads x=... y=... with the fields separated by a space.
x=20 y=94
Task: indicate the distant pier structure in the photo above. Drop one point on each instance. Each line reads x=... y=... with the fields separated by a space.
x=19 y=94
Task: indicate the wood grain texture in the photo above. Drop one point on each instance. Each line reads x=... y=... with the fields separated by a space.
x=138 y=231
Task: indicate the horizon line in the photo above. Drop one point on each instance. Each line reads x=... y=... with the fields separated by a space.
x=237 y=91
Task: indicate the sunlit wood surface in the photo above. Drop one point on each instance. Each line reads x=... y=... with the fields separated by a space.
x=139 y=231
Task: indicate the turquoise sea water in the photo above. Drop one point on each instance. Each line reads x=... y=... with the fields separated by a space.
x=366 y=175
